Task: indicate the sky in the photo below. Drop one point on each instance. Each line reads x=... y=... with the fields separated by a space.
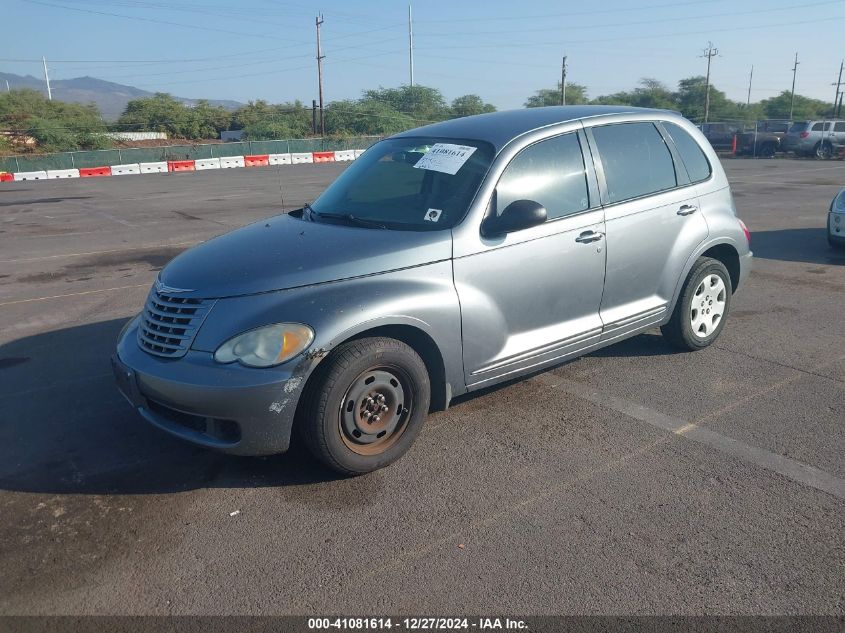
x=501 y=50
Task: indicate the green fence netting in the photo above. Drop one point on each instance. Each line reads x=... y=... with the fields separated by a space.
x=108 y=157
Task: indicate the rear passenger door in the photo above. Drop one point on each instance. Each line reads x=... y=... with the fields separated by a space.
x=652 y=221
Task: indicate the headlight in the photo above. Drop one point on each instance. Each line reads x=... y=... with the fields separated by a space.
x=266 y=346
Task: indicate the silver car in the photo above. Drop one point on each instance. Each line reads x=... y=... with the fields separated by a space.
x=445 y=259
x=836 y=221
x=819 y=138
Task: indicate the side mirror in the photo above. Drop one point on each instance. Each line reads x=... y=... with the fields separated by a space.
x=518 y=215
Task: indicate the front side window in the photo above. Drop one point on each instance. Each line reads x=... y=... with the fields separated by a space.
x=698 y=167
x=839 y=127
x=636 y=160
x=551 y=173
x=392 y=186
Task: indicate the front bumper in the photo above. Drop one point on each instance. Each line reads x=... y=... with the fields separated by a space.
x=231 y=408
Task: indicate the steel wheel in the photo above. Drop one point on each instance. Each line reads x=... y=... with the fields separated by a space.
x=708 y=305
x=375 y=410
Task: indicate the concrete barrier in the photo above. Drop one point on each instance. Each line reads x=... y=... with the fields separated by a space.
x=358 y=152
x=344 y=155
x=180 y=165
x=229 y=162
x=207 y=163
x=301 y=157
x=153 y=168
x=125 y=170
x=6 y=177
x=30 y=175
x=323 y=157
x=259 y=160
x=279 y=159
x=94 y=172
x=62 y=173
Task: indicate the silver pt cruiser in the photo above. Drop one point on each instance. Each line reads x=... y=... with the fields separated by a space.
x=445 y=259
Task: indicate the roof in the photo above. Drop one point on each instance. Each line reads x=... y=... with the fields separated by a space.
x=500 y=128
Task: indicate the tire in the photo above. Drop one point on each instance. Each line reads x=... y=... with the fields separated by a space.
x=706 y=294
x=823 y=151
x=768 y=150
x=379 y=379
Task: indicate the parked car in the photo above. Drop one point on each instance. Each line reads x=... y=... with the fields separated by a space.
x=720 y=135
x=444 y=260
x=764 y=140
x=819 y=138
x=836 y=221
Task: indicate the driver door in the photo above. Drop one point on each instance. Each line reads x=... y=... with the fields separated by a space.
x=532 y=297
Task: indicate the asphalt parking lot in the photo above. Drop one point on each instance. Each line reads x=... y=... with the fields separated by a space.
x=636 y=480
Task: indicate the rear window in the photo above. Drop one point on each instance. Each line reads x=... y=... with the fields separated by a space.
x=698 y=167
x=636 y=160
x=797 y=128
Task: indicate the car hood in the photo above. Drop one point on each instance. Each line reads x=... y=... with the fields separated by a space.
x=286 y=252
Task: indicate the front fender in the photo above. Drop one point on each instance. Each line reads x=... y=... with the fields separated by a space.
x=422 y=297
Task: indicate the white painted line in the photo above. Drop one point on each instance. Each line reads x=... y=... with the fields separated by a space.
x=789 y=468
x=73 y=294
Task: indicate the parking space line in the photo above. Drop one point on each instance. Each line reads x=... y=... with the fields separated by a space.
x=73 y=294
x=112 y=250
x=784 y=466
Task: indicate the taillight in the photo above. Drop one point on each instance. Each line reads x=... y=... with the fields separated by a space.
x=804 y=134
x=746 y=231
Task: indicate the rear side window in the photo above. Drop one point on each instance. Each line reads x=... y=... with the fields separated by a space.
x=550 y=172
x=819 y=127
x=636 y=160
x=797 y=128
x=698 y=167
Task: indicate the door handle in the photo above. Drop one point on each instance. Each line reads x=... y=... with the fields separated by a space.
x=589 y=236
x=687 y=209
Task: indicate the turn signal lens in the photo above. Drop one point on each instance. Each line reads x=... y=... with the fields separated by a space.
x=266 y=346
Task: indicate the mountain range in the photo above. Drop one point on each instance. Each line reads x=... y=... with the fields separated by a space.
x=111 y=98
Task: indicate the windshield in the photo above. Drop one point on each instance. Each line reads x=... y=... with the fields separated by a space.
x=407 y=183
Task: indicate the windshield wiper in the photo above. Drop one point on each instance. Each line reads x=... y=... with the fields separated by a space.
x=351 y=219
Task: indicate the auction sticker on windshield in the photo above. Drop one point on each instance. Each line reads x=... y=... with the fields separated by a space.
x=445 y=157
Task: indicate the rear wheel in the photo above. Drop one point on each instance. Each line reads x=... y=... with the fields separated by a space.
x=823 y=150
x=366 y=406
x=702 y=308
x=767 y=150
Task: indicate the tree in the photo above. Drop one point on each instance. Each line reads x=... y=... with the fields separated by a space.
x=261 y=120
x=55 y=125
x=468 y=105
x=163 y=113
x=651 y=93
x=576 y=94
x=805 y=107
x=422 y=103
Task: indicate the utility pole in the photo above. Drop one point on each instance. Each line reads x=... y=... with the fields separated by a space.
x=709 y=53
x=750 y=78
x=314 y=117
x=838 y=86
x=563 y=81
x=411 y=43
x=320 y=56
x=47 y=79
x=794 y=73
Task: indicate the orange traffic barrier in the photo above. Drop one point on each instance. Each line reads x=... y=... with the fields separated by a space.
x=181 y=165
x=6 y=177
x=93 y=172
x=733 y=146
x=259 y=160
x=323 y=157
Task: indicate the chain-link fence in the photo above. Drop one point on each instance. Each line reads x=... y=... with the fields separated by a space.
x=108 y=157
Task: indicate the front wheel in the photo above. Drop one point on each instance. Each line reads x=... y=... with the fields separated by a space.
x=702 y=308
x=366 y=405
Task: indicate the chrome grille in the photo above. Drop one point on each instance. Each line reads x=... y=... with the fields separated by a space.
x=169 y=323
